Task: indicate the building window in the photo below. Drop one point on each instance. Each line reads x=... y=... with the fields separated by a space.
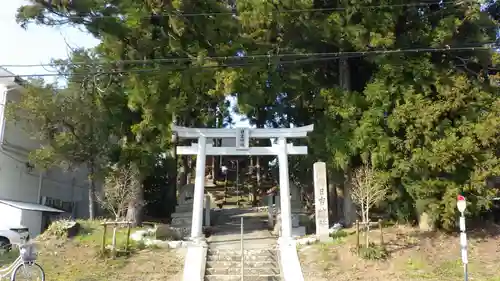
x=59 y=204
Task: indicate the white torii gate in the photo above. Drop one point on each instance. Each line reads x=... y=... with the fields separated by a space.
x=242 y=135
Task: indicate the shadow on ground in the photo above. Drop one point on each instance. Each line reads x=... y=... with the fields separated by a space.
x=228 y=221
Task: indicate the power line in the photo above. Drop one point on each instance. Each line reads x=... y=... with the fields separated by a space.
x=305 y=58
x=245 y=57
x=185 y=59
x=211 y=14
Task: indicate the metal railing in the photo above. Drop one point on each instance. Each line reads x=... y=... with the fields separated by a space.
x=242 y=251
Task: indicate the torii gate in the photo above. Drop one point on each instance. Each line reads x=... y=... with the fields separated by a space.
x=242 y=135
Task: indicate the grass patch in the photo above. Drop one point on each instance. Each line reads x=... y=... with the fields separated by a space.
x=9 y=257
x=417 y=268
x=81 y=258
x=408 y=255
x=450 y=269
x=327 y=256
x=373 y=252
x=224 y=183
x=338 y=235
x=91 y=235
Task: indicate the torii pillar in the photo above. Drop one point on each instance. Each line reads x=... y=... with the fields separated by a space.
x=242 y=135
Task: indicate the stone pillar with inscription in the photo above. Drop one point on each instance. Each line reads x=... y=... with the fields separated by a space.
x=183 y=216
x=321 y=201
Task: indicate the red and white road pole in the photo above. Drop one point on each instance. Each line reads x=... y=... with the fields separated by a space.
x=461 y=205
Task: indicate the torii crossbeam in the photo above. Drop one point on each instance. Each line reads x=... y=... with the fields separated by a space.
x=242 y=135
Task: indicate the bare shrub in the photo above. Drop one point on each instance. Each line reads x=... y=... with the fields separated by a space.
x=367 y=192
x=121 y=186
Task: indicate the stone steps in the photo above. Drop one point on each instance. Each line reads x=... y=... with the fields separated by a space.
x=245 y=278
x=248 y=253
x=258 y=265
x=237 y=258
x=247 y=264
x=235 y=270
x=236 y=225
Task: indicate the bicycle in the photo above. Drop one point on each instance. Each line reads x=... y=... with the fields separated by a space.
x=25 y=264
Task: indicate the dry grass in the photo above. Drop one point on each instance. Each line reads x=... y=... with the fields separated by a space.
x=413 y=256
x=80 y=259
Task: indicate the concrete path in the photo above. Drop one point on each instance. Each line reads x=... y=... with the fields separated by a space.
x=226 y=262
x=226 y=232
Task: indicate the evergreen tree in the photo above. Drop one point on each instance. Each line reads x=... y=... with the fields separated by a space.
x=408 y=88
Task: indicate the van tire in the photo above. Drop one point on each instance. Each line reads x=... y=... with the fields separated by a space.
x=5 y=243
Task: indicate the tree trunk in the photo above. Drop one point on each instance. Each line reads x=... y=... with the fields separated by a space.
x=217 y=167
x=367 y=221
x=212 y=168
x=134 y=213
x=91 y=194
x=91 y=199
x=257 y=174
x=349 y=210
x=189 y=172
x=136 y=206
x=253 y=182
x=334 y=181
x=173 y=180
x=332 y=202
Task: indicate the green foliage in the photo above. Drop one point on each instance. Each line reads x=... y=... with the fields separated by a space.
x=8 y=257
x=339 y=234
x=428 y=122
x=399 y=205
x=57 y=229
x=373 y=252
x=158 y=201
x=421 y=122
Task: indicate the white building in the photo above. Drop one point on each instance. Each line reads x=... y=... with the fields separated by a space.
x=21 y=183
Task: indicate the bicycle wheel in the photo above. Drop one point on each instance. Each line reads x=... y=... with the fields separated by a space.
x=28 y=272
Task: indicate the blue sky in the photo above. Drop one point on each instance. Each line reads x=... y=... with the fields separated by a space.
x=37 y=44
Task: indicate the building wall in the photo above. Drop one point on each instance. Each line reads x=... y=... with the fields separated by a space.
x=16 y=182
x=22 y=182
x=67 y=191
x=33 y=221
x=11 y=217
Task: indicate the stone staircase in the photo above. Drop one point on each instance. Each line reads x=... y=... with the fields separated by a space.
x=225 y=265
